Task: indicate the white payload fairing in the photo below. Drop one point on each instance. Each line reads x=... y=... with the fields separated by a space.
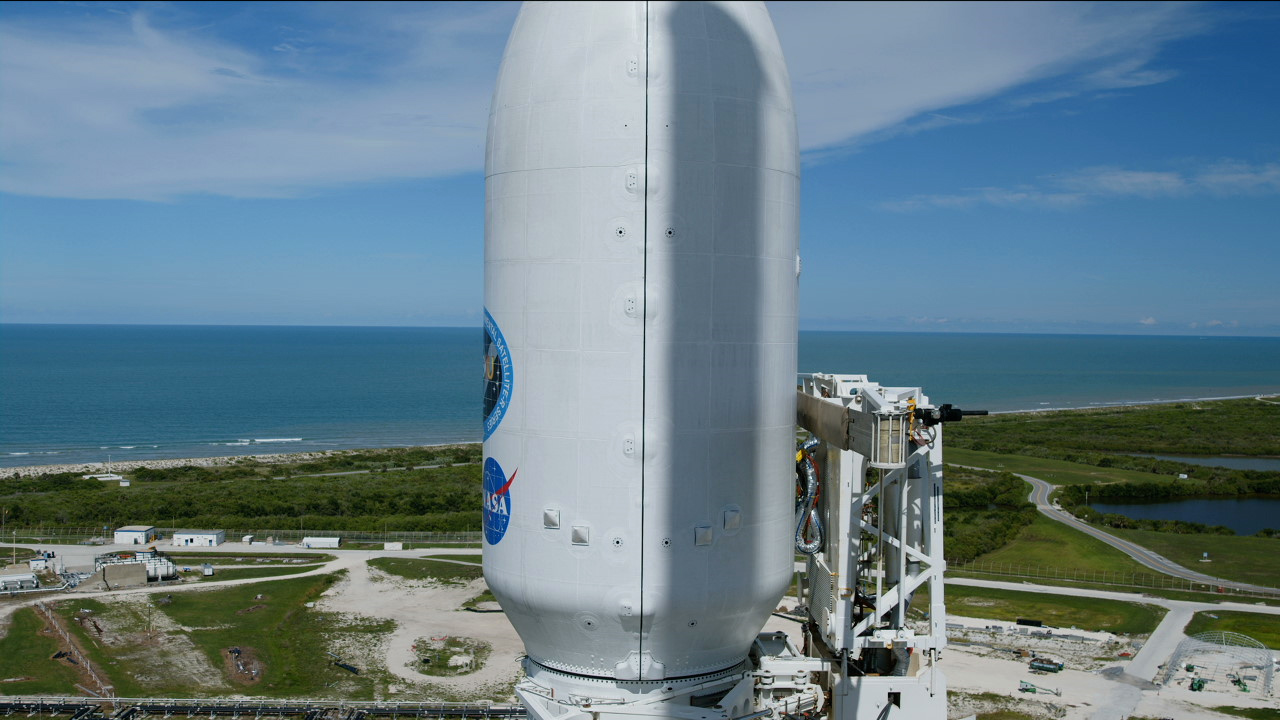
x=640 y=289
x=641 y=266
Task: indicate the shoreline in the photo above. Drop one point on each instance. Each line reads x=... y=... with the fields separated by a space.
x=118 y=466
x=280 y=458
x=1140 y=403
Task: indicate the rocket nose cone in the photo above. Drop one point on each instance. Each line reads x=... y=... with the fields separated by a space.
x=640 y=244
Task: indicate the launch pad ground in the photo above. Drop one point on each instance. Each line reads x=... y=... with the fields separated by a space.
x=983 y=676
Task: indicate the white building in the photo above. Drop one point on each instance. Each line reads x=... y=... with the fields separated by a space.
x=321 y=542
x=135 y=535
x=199 y=538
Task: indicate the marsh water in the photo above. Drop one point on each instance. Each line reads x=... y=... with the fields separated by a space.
x=1235 y=463
x=1245 y=515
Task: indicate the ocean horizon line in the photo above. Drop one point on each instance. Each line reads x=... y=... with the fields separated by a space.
x=854 y=331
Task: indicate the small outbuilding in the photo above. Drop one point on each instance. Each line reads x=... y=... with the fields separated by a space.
x=135 y=535
x=199 y=538
x=321 y=542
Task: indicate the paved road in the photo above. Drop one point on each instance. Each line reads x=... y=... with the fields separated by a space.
x=1163 y=641
x=1040 y=492
x=1040 y=497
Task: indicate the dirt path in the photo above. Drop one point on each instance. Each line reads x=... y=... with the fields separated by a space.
x=427 y=609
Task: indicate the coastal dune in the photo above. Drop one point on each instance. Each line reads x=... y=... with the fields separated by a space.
x=163 y=464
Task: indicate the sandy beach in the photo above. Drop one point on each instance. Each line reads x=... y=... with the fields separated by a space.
x=120 y=466
x=163 y=463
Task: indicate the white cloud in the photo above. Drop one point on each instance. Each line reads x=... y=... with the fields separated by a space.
x=864 y=68
x=1222 y=178
x=1119 y=182
x=157 y=106
x=133 y=111
x=1148 y=321
x=1232 y=177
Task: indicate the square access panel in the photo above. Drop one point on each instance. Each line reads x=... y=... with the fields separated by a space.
x=702 y=535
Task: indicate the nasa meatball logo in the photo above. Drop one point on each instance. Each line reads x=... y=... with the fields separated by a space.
x=497 y=500
x=498 y=375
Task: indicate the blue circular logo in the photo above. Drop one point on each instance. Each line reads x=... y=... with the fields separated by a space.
x=497 y=500
x=498 y=375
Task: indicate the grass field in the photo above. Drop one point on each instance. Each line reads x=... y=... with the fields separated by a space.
x=1057 y=472
x=459 y=558
x=1048 y=543
x=1263 y=628
x=146 y=657
x=1248 y=559
x=1055 y=610
x=421 y=569
x=1191 y=428
x=1250 y=713
x=27 y=653
x=286 y=635
x=192 y=558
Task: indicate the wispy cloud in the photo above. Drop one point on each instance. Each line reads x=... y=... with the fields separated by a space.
x=130 y=110
x=163 y=102
x=1221 y=178
x=860 y=69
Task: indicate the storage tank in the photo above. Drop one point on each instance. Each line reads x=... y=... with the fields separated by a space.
x=640 y=337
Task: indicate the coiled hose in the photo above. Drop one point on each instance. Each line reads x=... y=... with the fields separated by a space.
x=807 y=517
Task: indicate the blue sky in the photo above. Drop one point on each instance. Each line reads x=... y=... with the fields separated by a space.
x=1110 y=168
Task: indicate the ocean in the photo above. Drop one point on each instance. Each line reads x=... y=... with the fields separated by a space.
x=81 y=393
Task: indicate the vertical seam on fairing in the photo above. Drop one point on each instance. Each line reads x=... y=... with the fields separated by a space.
x=644 y=337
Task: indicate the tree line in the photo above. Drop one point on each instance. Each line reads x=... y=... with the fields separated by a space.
x=982 y=511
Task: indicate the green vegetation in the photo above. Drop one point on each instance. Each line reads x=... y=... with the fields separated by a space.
x=451 y=656
x=1103 y=438
x=458 y=558
x=248 y=558
x=26 y=653
x=486 y=596
x=8 y=554
x=246 y=496
x=1263 y=628
x=1191 y=428
x=1243 y=559
x=419 y=569
x=983 y=511
x=1058 y=472
x=1251 y=713
x=268 y=623
x=1048 y=543
x=1057 y=610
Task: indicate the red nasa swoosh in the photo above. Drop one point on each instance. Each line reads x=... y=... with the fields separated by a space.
x=507 y=486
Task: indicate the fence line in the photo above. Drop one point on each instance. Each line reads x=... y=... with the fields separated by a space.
x=99 y=535
x=54 y=622
x=1104 y=577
